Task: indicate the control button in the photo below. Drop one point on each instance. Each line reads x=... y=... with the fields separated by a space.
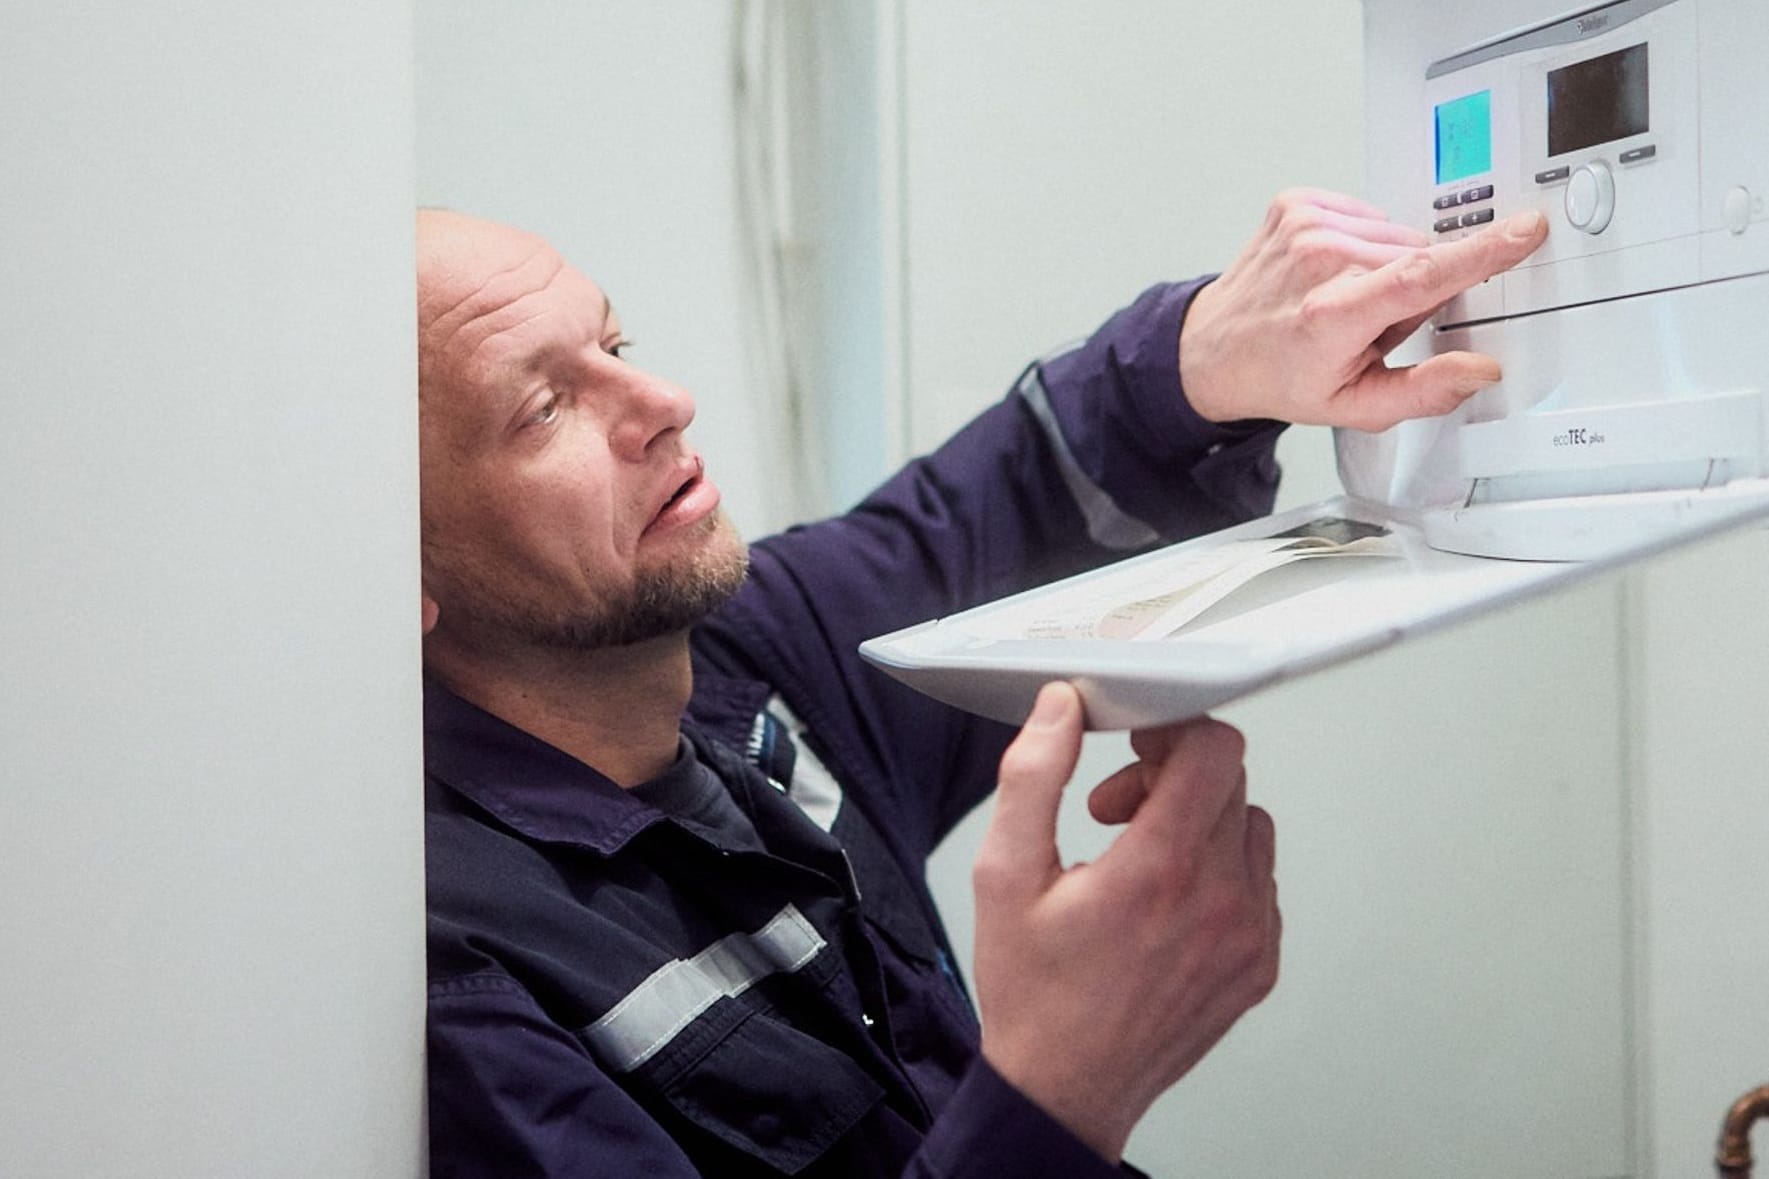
x=1447 y=224
x=1736 y=212
x=1478 y=217
x=1445 y=201
x=1590 y=197
x=1634 y=155
x=1552 y=175
x=1483 y=193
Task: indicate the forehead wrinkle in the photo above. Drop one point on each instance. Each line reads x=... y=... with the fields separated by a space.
x=494 y=316
x=494 y=302
x=455 y=262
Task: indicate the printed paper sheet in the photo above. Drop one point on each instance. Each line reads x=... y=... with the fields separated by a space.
x=1151 y=600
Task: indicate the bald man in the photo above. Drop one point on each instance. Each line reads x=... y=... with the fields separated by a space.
x=677 y=830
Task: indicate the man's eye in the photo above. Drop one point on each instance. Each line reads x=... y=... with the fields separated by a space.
x=619 y=345
x=543 y=413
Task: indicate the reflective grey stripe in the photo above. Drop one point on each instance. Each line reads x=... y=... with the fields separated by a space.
x=1107 y=524
x=813 y=787
x=677 y=992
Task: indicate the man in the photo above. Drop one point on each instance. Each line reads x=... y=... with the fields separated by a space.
x=677 y=830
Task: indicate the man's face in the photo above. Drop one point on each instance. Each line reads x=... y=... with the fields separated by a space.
x=562 y=508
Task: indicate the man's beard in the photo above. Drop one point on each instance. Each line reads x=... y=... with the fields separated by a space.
x=661 y=601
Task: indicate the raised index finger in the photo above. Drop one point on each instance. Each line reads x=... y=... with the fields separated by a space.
x=1019 y=851
x=1412 y=285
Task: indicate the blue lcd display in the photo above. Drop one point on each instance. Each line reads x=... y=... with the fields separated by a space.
x=1465 y=137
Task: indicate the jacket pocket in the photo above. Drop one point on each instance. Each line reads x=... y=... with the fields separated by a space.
x=773 y=1092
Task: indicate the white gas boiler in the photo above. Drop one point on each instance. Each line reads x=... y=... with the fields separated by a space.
x=1633 y=414
x=1635 y=342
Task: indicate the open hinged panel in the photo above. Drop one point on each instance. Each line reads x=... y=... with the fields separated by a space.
x=1176 y=632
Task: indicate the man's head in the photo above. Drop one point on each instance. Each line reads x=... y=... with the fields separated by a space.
x=562 y=509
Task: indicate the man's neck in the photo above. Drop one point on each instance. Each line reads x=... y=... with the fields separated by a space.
x=618 y=710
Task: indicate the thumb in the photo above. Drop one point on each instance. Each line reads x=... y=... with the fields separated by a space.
x=1019 y=851
x=1383 y=396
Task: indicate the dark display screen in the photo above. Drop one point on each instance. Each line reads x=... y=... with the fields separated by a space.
x=1598 y=100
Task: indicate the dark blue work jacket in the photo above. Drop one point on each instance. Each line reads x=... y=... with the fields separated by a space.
x=617 y=991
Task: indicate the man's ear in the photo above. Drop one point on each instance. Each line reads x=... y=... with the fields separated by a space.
x=431 y=610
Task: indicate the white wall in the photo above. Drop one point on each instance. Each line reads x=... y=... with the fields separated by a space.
x=846 y=238
x=1060 y=156
x=1701 y=845
x=210 y=857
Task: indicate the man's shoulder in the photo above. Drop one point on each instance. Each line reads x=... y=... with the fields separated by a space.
x=462 y=843
x=492 y=893
x=555 y=915
x=478 y=879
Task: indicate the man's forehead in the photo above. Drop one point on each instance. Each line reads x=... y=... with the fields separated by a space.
x=493 y=296
x=468 y=269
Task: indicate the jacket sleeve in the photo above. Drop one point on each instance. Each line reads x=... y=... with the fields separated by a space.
x=1095 y=454
x=990 y=1129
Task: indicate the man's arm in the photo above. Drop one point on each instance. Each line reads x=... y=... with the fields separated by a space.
x=1159 y=427
x=1101 y=985
x=1093 y=455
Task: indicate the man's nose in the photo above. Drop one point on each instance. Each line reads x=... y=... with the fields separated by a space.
x=648 y=408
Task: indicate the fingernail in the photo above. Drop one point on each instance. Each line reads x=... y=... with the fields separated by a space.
x=1523 y=226
x=1050 y=708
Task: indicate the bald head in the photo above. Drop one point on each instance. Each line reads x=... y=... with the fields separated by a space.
x=455 y=249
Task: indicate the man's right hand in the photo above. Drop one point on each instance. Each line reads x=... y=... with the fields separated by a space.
x=1298 y=326
x=1102 y=984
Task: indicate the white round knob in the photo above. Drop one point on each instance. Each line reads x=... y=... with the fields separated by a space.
x=1590 y=197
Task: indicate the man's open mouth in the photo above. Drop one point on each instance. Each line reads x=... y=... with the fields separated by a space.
x=687 y=485
x=692 y=498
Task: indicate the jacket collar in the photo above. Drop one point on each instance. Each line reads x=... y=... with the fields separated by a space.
x=527 y=784
x=548 y=795
x=725 y=707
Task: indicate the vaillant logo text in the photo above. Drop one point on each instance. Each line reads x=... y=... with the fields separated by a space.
x=1591 y=24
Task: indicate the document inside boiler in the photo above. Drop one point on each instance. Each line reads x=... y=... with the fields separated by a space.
x=1154 y=600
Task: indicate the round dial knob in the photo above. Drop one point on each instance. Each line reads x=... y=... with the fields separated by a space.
x=1590 y=197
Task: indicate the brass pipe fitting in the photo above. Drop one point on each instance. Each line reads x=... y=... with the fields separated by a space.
x=1733 y=1157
